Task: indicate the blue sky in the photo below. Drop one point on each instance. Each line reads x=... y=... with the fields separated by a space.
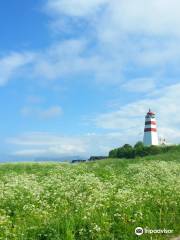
x=77 y=77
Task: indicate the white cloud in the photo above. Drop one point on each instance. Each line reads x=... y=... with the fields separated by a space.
x=66 y=149
x=61 y=59
x=159 y=17
x=150 y=17
x=119 y=37
x=51 y=112
x=77 y=8
x=129 y=119
x=71 y=58
x=128 y=36
x=47 y=144
x=125 y=125
x=140 y=85
x=37 y=144
x=115 y=41
x=30 y=152
x=12 y=63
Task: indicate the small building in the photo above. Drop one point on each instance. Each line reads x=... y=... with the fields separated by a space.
x=78 y=161
x=95 y=158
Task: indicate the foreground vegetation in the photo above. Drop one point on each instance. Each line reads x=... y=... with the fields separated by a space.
x=103 y=200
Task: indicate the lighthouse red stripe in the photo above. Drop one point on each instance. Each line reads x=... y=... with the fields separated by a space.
x=150 y=130
x=150 y=122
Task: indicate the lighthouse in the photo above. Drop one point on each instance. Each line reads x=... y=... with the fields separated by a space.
x=150 y=130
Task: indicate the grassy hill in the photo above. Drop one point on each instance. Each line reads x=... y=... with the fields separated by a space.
x=101 y=200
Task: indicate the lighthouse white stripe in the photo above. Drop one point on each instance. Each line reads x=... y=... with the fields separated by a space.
x=150 y=126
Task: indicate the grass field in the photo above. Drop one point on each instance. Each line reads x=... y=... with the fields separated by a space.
x=99 y=200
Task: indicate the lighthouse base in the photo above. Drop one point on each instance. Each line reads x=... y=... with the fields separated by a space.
x=150 y=138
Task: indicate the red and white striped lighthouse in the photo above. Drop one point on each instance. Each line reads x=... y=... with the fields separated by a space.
x=150 y=130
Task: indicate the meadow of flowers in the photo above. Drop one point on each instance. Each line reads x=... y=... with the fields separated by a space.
x=104 y=200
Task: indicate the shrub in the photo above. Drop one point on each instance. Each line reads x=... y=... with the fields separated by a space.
x=139 y=150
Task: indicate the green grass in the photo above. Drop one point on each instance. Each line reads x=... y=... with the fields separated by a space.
x=100 y=200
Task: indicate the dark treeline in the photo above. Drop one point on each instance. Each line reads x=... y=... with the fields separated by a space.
x=139 y=150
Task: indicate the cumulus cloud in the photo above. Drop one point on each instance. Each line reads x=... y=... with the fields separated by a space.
x=41 y=144
x=12 y=63
x=61 y=59
x=152 y=17
x=117 y=38
x=125 y=125
x=140 y=85
x=64 y=149
x=48 y=144
x=128 y=35
x=126 y=42
x=129 y=119
x=156 y=17
x=77 y=8
x=72 y=58
x=117 y=18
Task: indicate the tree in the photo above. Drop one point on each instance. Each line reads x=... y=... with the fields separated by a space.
x=139 y=145
x=139 y=149
x=113 y=153
x=128 y=151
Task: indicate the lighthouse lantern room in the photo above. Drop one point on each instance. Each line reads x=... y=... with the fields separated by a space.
x=150 y=130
